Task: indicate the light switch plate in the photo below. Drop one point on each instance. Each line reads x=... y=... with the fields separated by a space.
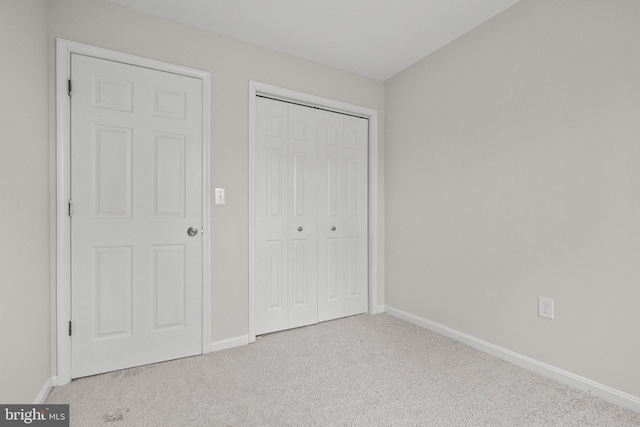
x=220 y=196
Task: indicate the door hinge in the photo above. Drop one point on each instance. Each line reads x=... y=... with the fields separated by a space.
x=70 y=210
x=69 y=327
x=69 y=86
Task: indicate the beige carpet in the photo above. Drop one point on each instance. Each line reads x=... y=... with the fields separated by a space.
x=361 y=371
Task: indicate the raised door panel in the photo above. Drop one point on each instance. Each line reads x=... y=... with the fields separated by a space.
x=169 y=103
x=169 y=268
x=300 y=272
x=274 y=276
x=113 y=284
x=169 y=173
x=113 y=95
x=273 y=179
x=112 y=171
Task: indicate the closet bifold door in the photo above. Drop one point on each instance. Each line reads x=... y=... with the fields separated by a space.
x=310 y=215
x=342 y=215
x=302 y=229
x=285 y=216
x=270 y=215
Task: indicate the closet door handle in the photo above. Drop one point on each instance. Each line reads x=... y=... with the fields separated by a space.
x=299 y=228
x=333 y=228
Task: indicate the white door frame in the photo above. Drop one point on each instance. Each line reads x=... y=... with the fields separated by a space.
x=64 y=49
x=257 y=88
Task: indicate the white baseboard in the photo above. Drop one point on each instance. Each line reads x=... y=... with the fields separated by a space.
x=229 y=343
x=605 y=392
x=378 y=309
x=44 y=392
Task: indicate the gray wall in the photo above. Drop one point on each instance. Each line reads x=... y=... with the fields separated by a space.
x=512 y=172
x=24 y=201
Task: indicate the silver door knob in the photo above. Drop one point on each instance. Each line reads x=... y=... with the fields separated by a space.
x=299 y=228
x=333 y=228
x=192 y=231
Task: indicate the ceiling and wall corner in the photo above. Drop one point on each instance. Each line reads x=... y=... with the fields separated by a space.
x=376 y=38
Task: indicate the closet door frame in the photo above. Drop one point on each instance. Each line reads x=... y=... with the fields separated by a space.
x=283 y=94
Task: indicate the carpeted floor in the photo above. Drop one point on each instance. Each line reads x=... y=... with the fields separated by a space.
x=360 y=371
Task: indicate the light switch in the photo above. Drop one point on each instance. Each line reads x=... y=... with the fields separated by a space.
x=220 y=198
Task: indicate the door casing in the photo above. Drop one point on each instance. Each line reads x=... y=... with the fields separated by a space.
x=275 y=92
x=64 y=49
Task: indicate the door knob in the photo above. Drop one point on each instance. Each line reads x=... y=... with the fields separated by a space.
x=333 y=228
x=192 y=231
x=299 y=228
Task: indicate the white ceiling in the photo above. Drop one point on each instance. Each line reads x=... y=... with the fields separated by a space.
x=374 y=38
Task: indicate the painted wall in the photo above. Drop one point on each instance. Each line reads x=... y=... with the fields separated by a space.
x=512 y=172
x=232 y=64
x=24 y=201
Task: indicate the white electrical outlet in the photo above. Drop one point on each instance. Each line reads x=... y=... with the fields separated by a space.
x=545 y=307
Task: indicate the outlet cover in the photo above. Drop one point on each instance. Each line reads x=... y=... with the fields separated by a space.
x=545 y=307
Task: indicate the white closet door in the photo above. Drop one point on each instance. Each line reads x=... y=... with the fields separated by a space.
x=285 y=225
x=271 y=203
x=331 y=203
x=356 y=215
x=310 y=216
x=136 y=179
x=302 y=230
x=342 y=216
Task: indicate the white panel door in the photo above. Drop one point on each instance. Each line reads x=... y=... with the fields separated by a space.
x=356 y=215
x=310 y=213
x=302 y=230
x=285 y=217
x=136 y=180
x=271 y=205
x=342 y=215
